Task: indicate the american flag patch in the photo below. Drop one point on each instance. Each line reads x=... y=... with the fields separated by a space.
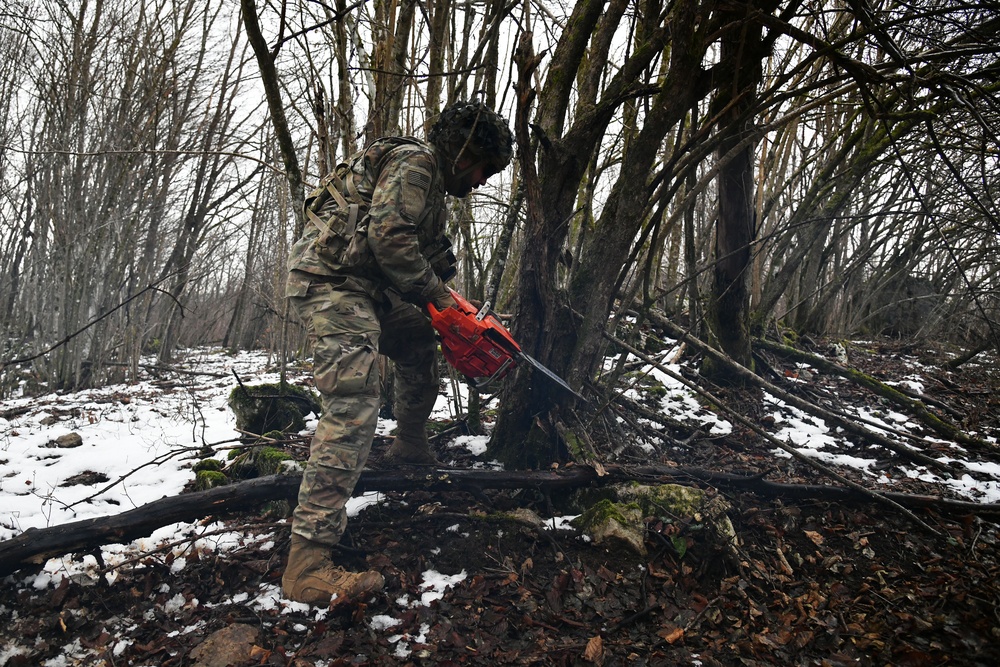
x=418 y=179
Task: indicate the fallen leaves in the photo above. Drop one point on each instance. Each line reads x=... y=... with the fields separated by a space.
x=591 y=606
x=594 y=653
x=815 y=537
x=671 y=635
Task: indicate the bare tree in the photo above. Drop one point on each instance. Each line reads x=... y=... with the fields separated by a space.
x=123 y=136
x=822 y=167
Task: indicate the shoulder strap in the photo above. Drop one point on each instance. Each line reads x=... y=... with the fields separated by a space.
x=335 y=186
x=331 y=188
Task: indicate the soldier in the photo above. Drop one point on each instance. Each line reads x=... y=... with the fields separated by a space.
x=373 y=254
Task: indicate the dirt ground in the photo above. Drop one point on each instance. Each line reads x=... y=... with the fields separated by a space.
x=811 y=583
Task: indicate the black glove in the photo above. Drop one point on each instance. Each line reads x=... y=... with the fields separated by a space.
x=437 y=293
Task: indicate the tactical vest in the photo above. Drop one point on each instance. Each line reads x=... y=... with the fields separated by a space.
x=334 y=241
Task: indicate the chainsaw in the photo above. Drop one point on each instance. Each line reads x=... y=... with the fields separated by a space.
x=476 y=344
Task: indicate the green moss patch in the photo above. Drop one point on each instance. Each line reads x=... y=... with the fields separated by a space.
x=606 y=521
x=214 y=465
x=209 y=479
x=619 y=512
x=256 y=462
x=265 y=408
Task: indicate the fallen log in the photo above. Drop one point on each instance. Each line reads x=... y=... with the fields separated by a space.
x=915 y=407
x=35 y=545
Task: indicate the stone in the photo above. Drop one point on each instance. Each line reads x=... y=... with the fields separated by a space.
x=68 y=441
x=617 y=512
x=270 y=407
x=232 y=645
x=606 y=521
x=528 y=516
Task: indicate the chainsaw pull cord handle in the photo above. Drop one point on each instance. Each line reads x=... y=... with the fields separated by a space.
x=467 y=307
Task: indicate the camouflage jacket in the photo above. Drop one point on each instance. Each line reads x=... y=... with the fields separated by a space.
x=377 y=220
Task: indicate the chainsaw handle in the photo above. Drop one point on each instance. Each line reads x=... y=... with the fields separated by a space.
x=462 y=304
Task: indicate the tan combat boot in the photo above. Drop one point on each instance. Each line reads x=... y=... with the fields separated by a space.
x=407 y=449
x=311 y=576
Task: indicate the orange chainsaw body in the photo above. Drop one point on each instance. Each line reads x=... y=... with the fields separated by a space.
x=474 y=341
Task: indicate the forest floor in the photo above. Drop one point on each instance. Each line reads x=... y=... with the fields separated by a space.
x=812 y=582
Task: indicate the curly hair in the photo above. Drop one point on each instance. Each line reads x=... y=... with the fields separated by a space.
x=472 y=127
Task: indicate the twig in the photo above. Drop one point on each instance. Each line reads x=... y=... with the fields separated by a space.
x=240 y=383
x=874 y=495
x=155 y=462
x=24 y=360
x=187 y=540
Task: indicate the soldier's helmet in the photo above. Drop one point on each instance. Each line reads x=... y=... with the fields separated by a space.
x=472 y=128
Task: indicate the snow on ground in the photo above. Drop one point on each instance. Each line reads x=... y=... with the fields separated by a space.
x=137 y=444
x=678 y=402
x=138 y=441
x=810 y=435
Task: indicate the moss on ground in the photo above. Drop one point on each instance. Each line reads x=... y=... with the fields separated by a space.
x=209 y=479
x=266 y=408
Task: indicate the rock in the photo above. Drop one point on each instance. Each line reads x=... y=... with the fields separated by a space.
x=68 y=441
x=271 y=407
x=86 y=478
x=232 y=645
x=839 y=352
x=607 y=521
x=528 y=516
x=617 y=511
x=209 y=479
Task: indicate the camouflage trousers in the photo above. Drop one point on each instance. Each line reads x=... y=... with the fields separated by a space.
x=348 y=330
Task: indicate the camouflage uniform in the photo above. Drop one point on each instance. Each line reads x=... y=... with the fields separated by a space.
x=374 y=240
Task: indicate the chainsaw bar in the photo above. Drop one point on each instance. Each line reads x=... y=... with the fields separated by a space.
x=537 y=365
x=517 y=353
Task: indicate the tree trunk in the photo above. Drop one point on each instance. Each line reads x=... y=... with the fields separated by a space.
x=272 y=92
x=552 y=166
x=393 y=33
x=735 y=231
